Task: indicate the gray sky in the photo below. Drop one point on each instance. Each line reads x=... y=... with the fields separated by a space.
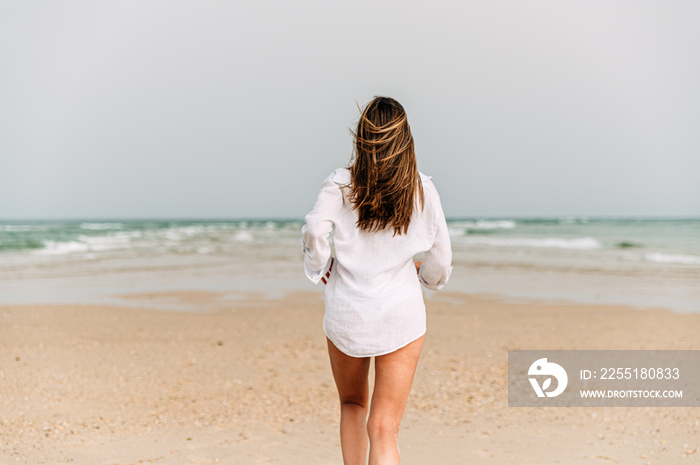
x=123 y=109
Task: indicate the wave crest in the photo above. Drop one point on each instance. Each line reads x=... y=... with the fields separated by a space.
x=672 y=258
x=579 y=243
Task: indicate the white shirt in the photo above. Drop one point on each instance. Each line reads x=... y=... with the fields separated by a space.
x=373 y=297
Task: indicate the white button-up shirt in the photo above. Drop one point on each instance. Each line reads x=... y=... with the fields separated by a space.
x=373 y=298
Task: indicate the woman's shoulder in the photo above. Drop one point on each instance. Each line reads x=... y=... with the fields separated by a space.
x=341 y=176
x=428 y=186
x=338 y=177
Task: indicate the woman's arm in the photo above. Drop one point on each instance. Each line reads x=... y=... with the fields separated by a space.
x=316 y=232
x=435 y=271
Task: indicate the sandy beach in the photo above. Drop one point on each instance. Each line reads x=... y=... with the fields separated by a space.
x=245 y=379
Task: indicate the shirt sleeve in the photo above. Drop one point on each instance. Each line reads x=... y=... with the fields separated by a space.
x=437 y=266
x=315 y=234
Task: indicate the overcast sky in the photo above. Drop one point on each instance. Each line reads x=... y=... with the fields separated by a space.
x=201 y=109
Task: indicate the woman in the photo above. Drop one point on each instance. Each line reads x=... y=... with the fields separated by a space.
x=381 y=212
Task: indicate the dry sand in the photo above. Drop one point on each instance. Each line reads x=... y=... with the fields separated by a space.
x=247 y=381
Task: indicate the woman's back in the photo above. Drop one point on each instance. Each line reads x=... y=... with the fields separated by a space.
x=374 y=302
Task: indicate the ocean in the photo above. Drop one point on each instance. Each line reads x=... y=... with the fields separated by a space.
x=644 y=262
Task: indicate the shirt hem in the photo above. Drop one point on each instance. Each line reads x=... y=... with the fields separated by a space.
x=376 y=354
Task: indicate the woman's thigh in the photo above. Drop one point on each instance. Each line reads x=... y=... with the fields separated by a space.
x=351 y=376
x=392 y=385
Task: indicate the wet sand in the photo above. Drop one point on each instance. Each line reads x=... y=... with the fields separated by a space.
x=246 y=380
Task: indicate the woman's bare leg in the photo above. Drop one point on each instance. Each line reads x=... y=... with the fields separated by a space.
x=351 y=379
x=392 y=385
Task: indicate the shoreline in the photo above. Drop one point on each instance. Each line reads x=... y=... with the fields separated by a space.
x=103 y=282
x=248 y=380
x=123 y=288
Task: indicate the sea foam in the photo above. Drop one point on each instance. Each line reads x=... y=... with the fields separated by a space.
x=579 y=243
x=101 y=226
x=244 y=236
x=485 y=224
x=460 y=228
x=120 y=240
x=23 y=227
x=61 y=248
x=672 y=258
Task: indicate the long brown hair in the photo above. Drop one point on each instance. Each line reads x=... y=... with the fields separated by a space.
x=384 y=179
